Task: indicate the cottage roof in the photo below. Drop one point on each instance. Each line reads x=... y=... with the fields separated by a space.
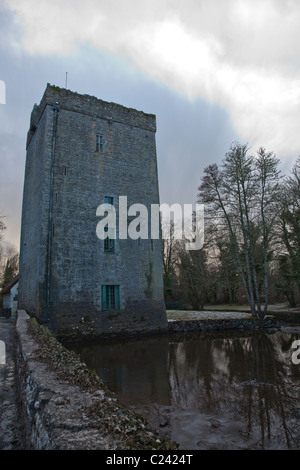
x=6 y=289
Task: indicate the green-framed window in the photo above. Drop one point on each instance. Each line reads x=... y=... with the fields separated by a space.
x=110 y=297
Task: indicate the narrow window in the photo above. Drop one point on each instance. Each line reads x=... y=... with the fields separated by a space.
x=109 y=243
x=99 y=143
x=110 y=298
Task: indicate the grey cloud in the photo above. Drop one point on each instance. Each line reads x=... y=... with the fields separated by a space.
x=191 y=133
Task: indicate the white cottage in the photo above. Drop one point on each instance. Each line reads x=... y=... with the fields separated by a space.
x=10 y=297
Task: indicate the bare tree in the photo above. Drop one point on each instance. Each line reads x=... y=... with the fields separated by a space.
x=238 y=197
x=269 y=195
x=193 y=276
x=2 y=228
x=228 y=276
x=170 y=259
x=10 y=265
x=289 y=219
x=215 y=192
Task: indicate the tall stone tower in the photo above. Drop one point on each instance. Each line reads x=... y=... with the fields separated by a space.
x=83 y=152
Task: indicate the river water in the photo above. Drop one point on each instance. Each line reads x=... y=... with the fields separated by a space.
x=219 y=390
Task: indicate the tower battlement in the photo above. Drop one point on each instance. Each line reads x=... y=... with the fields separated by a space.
x=90 y=105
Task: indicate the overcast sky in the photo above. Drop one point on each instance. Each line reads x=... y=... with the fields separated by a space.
x=213 y=72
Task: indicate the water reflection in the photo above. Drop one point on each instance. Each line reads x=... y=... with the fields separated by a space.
x=208 y=391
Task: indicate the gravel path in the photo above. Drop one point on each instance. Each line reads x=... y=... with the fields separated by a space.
x=10 y=432
x=174 y=315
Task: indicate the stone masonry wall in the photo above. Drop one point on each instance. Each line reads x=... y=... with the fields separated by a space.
x=51 y=408
x=35 y=218
x=237 y=324
x=60 y=415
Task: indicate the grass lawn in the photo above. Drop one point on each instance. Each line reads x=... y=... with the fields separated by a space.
x=228 y=308
x=224 y=311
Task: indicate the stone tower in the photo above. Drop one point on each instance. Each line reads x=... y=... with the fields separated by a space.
x=83 y=152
